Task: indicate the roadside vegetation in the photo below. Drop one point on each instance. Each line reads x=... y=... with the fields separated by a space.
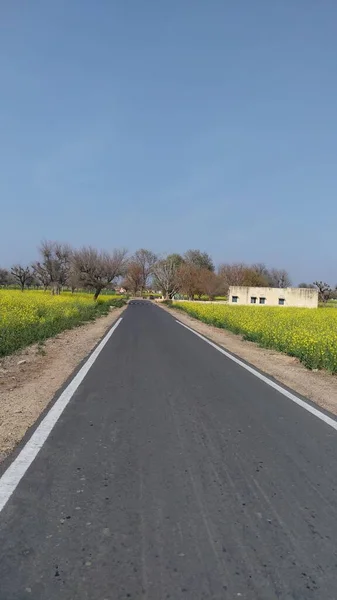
x=308 y=334
x=36 y=316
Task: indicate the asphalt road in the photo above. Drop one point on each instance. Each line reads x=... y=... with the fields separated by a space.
x=174 y=473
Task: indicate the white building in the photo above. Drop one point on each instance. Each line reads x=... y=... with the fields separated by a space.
x=264 y=296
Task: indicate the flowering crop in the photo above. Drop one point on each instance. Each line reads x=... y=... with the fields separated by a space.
x=308 y=334
x=33 y=316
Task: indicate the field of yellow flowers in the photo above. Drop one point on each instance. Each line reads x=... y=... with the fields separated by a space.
x=308 y=334
x=33 y=316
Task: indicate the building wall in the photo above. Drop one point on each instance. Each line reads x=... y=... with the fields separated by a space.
x=302 y=297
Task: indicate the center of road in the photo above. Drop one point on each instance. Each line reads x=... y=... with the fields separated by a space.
x=166 y=469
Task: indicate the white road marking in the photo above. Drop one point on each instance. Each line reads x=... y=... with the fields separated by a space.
x=314 y=411
x=13 y=475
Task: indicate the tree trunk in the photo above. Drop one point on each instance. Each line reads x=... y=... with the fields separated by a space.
x=97 y=293
x=22 y=287
x=55 y=288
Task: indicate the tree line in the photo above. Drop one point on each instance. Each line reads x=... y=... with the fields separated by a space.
x=61 y=266
x=192 y=274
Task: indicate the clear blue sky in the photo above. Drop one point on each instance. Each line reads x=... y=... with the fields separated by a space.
x=176 y=124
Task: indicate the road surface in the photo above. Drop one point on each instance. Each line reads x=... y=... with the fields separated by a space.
x=173 y=473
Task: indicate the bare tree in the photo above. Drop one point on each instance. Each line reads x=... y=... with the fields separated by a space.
x=98 y=270
x=210 y=283
x=280 y=278
x=189 y=280
x=146 y=259
x=32 y=281
x=261 y=269
x=232 y=274
x=41 y=275
x=199 y=259
x=324 y=290
x=54 y=267
x=165 y=274
x=21 y=275
x=72 y=279
x=5 y=277
x=265 y=274
x=134 y=276
x=256 y=275
x=254 y=278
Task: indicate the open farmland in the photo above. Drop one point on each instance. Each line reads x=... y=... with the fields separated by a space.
x=34 y=316
x=310 y=335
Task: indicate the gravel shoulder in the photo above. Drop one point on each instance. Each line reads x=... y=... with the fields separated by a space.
x=320 y=387
x=30 y=378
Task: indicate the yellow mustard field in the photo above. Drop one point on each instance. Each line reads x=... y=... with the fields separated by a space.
x=308 y=334
x=33 y=316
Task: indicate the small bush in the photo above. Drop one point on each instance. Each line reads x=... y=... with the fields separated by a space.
x=167 y=302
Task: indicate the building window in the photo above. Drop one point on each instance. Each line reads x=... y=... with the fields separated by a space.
x=262 y=300
x=253 y=299
x=281 y=301
x=235 y=298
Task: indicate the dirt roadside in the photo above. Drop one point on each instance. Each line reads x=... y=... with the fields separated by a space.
x=320 y=387
x=30 y=378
